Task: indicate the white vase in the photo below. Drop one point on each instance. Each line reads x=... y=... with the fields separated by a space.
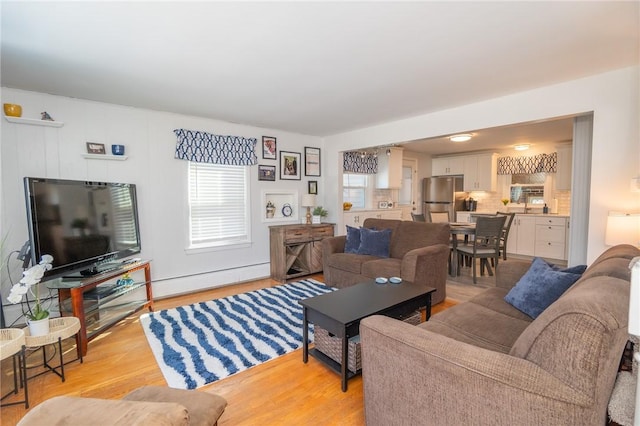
x=39 y=327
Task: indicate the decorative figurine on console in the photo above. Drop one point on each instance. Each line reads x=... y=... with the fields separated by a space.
x=45 y=116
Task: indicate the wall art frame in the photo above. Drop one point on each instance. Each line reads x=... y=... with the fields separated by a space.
x=311 y=161
x=267 y=173
x=313 y=187
x=96 y=148
x=290 y=167
x=269 y=148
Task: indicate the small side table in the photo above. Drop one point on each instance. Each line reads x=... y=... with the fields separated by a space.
x=59 y=329
x=12 y=344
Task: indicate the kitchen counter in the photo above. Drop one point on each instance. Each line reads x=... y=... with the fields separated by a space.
x=371 y=210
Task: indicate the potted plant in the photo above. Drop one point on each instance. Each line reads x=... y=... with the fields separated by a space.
x=318 y=214
x=37 y=315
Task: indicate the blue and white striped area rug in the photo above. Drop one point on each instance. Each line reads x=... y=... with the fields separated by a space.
x=198 y=344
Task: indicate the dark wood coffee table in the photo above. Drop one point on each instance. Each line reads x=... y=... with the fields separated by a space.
x=340 y=312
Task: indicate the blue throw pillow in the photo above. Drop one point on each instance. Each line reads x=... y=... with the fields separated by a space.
x=540 y=286
x=353 y=240
x=375 y=243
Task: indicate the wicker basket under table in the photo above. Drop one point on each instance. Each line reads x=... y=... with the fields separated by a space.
x=332 y=346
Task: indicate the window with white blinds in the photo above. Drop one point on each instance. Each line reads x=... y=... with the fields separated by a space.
x=354 y=189
x=218 y=204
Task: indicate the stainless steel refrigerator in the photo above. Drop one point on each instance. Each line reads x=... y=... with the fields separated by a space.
x=442 y=194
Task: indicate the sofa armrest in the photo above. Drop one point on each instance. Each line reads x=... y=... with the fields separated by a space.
x=427 y=266
x=411 y=374
x=509 y=272
x=333 y=245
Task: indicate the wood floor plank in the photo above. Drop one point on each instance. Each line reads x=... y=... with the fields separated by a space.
x=283 y=391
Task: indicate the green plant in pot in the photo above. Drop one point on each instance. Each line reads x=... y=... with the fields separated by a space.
x=318 y=213
x=29 y=284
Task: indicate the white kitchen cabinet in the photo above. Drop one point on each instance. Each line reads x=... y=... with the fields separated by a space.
x=356 y=218
x=522 y=235
x=542 y=236
x=563 y=172
x=480 y=172
x=389 y=174
x=445 y=166
x=551 y=237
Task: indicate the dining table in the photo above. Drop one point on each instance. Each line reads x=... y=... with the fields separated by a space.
x=459 y=228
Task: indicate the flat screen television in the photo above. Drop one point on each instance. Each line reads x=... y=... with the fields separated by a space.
x=83 y=225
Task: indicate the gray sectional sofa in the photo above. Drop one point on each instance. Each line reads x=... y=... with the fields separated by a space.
x=485 y=362
x=418 y=253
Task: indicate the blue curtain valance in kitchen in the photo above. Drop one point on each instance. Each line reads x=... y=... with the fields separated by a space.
x=358 y=162
x=203 y=147
x=542 y=163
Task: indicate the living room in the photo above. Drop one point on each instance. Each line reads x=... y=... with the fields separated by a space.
x=608 y=90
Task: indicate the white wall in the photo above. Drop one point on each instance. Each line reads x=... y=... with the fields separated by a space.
x=161 y=180
x=613 y=97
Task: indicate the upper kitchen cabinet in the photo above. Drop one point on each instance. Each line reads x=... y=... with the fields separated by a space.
x=389 y=174
x=563 y=173
x=444 y=166
x=480 y=172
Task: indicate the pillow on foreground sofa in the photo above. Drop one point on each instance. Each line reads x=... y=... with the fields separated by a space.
x=418 y=252
x=485 y=362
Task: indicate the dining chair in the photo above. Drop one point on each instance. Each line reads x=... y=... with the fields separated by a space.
x=439 y=217
x=505 y=232
x=417 y=217
x=485 y=245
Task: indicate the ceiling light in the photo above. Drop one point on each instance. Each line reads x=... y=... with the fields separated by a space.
x=460 y=138
x=522 y=147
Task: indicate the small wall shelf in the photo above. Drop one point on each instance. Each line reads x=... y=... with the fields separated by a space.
x=105 y=157
x=34 y=122
x=279 y=198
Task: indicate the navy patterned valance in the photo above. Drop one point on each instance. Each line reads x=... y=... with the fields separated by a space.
x=203 y=147
x=542 y=163
x=359 y=162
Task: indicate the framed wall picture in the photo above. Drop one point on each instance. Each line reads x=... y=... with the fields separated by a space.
x=269 y=148
x=313 y=187
x=95 y=148
x=266 y=172
x=311 y=161
x=290 y=165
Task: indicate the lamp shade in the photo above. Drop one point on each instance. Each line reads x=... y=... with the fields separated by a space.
x=623 y=228
x=634 y=297
x=308 y=200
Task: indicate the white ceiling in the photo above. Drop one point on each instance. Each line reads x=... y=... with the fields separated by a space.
x=309 y=67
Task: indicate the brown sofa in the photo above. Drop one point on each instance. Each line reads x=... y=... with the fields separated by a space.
x=418 y=253
x=484 y=362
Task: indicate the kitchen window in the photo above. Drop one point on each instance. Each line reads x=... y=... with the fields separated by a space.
x=354 y=189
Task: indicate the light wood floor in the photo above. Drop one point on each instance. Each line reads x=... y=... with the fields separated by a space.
x=283 y=391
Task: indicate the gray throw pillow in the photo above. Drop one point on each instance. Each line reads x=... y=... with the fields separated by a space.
x=540 y=286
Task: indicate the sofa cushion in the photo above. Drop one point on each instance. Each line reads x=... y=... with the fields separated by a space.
x=375 y=243
x=353 y=240
x=348 y=262
x=413 y=235
x=493 y=298
x=540 y=286
x=388 y=267
x=478 y=325
x=204 y=408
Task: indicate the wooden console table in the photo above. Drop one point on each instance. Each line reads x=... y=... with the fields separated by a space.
x=296 y=250
x=96 y=303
